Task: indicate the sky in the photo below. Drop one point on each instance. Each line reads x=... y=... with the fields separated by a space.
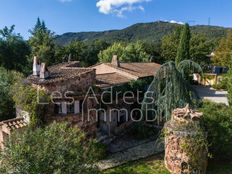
x=63 y=16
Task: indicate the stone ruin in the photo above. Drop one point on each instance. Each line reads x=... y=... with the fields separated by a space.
x=185 y=125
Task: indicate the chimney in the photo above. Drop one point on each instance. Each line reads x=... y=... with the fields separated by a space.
x=70 y=57
x=44 y=73
x=115 y=61
x=36 y=66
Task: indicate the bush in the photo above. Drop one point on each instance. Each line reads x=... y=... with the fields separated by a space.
x=217 y=121
x=99 y=150
x=26 y=97
x=222 y=84
x=56 y=149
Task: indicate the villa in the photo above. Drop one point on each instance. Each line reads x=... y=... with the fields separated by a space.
x=69 y=85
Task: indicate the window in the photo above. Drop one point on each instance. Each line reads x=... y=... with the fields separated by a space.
x=70 y=108
x=58 y=108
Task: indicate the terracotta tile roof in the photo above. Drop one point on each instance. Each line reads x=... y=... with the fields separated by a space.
x=106 y=80
x=138 y=69
x=16 y=123
x=59 y=72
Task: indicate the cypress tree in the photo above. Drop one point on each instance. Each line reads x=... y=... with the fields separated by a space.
x=184 y=45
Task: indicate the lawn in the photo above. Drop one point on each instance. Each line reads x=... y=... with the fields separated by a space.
x=155 y=165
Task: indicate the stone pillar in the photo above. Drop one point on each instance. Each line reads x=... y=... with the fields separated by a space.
x=185 y=143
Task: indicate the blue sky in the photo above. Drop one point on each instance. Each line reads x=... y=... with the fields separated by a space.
x=95 y=15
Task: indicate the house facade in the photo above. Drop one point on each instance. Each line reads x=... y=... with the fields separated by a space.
x=119 y=113
x=67 y=85
x=76 y=94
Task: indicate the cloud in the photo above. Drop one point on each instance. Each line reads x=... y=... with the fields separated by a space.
x=63 y=1
x=118 y=7
x=176 y=22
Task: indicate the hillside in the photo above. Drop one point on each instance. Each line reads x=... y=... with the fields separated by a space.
x=151 y=32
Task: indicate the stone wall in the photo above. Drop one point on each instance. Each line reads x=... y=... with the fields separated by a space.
x=185 y=143
x=86 y=120
x=79 y=86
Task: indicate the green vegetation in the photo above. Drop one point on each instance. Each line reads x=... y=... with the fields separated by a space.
x=223 y=82
x=13 y=50
x=159 y=42
x=133 y=52
x=229 y=85
x=196 y=147
x=42 y=42
x=86 y=53
x=133 y=86
x=29 y=99
x=183 y=51
x=57 y=148
x=155 y=165
x=7 y=105
x=199 y=49
x=152 y=165
x=170 y=89
x=217 y=122
x=147 y=32
x=219 y=167
x=169 y=45
x=223 y=53
x=131 y=44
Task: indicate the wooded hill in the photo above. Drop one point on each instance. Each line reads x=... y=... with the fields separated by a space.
x=149 y=32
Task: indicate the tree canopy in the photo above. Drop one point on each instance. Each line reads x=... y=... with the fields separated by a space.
x=169 y=45
x=133 y=52
x=42 y=42
x=223 y=53
x=13 y=50
x=200 y=47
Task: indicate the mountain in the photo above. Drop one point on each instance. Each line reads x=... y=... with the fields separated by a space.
x=150 y=32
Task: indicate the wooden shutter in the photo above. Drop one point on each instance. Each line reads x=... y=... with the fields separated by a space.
x=64 y=108
x=77 y=107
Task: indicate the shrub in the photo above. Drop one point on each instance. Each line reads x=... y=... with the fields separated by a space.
x=217 y=121
x=222 y=84
x=99 y=150
x=55 y=149
x=26 y=97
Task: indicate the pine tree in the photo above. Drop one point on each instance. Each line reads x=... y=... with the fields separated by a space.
x=183 y=52
x=42 y=42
